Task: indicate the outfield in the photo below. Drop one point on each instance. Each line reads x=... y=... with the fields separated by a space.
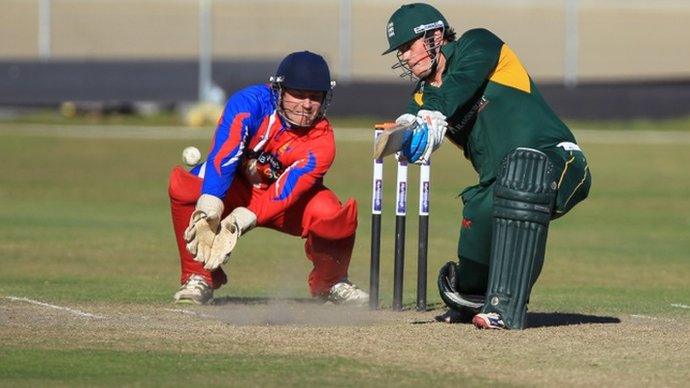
x=89 y=267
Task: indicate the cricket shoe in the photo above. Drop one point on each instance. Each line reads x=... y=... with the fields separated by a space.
x=488 y=321
x=195 y=290
x=346 y=293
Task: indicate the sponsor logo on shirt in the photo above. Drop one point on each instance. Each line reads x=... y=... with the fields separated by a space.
x=262 y=169
x=477 y=107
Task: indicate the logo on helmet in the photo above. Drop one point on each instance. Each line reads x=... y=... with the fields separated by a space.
x=430 y=26
x=391 y=30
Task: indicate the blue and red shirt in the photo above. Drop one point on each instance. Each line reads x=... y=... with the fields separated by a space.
x=252 y=139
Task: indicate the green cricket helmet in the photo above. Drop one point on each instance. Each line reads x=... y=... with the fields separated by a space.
x=410 y=22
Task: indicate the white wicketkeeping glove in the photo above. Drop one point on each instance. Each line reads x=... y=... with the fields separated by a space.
x=437 y=126
x=203 y=226
x=237 y=223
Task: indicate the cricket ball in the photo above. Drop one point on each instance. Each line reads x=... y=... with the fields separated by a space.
x=191 y=156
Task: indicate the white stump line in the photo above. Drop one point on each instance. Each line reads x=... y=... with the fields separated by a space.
x=679 y=305
x=52 y=306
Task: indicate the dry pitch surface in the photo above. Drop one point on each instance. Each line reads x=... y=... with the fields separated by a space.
x=639 y=267
x=569 y=349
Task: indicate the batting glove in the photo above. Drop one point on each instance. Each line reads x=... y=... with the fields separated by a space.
x=237 y=223
x=406 y=119
x=427 y=136
x=436 y=123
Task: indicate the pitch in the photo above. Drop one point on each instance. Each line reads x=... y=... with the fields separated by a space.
x=89 y=269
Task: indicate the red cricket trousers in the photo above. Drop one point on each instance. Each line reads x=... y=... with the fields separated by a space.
x=328 y=226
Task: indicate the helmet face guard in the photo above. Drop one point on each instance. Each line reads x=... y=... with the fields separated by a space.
x=409 y=23
x=303 y=71
x=432 y=49
x=279 y=87
x=451 y=296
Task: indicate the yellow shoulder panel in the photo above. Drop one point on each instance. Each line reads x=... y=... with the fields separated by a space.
x=510 y=72
x=418 y=98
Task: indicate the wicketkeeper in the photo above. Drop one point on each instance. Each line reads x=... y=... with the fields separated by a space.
x=531 y=169
x=265 y=168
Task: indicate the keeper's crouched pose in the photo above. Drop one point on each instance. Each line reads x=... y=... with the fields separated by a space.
x=271 y=150
x=531 y=170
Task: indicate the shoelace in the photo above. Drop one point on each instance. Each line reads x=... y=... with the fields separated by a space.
x=196 y=282
x=346 y=291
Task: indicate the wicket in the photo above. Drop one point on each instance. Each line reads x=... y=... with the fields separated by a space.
x=400 y=219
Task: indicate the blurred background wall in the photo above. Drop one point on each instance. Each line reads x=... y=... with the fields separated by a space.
x=597 y=52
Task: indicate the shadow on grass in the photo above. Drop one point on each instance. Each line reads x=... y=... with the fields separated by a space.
x=535 y=320
x=250 y=300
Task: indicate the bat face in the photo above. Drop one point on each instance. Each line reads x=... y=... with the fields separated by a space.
x=391 y=139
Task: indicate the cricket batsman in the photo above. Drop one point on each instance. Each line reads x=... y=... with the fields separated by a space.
x=265 y=168
x=474 y=91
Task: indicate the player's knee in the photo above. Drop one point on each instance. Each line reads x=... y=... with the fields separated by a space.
x=333 y=223
x=525 y=188
x=319 y=210
x=183 y=187
x=573 y=188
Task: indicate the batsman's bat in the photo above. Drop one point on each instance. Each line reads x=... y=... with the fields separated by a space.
x=392 y=138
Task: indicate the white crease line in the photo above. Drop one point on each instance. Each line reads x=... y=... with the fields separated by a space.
x=188 y=312
x=682 y=306
x=52 y=306
x=652 y=318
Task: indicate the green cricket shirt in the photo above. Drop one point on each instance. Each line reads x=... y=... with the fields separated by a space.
x=491 y=104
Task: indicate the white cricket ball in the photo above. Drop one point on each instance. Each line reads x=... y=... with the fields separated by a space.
x=191 y=156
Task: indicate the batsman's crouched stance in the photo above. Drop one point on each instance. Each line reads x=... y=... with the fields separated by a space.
x=271 y=150
x=504 y=230
x=530 y=168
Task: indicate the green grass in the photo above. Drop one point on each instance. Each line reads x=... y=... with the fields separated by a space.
x=86 y=220
x=172 y=118
x=89 y=367
x=95 y=212
x=53 y=116
x=671 y=124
